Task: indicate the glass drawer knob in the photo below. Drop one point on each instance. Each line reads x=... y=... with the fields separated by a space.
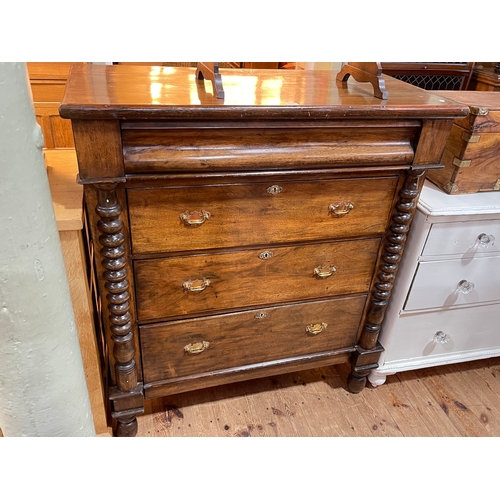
x=465 y=287
x=441 y=338
x=486 y=240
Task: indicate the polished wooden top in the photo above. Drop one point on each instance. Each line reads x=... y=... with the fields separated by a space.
x=145 y=92
x=487 y=99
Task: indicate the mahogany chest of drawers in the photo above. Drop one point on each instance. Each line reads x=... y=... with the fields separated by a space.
x=249 y=236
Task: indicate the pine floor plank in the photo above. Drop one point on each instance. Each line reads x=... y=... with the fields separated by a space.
x=379 y=417
x=311 y=405
x=437 y=421
x=191 y=414
x=396 y=399
x=375 y=412
x=485 y=402
x=450 y=400
x=233 y=415
x=277 y=407
x=489 y=371
x=180 y=415
x=346 y=409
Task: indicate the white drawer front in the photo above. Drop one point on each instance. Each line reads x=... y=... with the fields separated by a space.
x=437 y=283
x=416 y=336
x=463 y=238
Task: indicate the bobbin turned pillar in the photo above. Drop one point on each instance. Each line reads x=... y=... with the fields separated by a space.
x=428 y=152
x=126 y=395
x=368 y=350
x=100 y=164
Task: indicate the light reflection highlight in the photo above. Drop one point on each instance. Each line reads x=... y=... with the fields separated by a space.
x=239 y=90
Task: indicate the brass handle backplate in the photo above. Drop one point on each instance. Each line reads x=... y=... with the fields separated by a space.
x=340 y=209
x=194 y=218
x=324 y=272
x=197 y=347
x=196 y=285
x=315 y=328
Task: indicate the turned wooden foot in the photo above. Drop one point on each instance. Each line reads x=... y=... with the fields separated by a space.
x=125 y=406
x=363 y=361
x=126 y=427
x=356 y=382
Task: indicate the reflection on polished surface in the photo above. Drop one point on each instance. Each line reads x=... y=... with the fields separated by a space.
x=243 y=89
x=144 y=88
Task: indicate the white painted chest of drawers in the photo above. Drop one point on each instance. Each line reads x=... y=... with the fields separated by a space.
x=446 y=301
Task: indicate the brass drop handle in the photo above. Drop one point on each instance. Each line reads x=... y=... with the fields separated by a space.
x=196 y=285
x=324 y=272
x=194 y=218
x=197 y=347
x=315 y=328
x=340 y=209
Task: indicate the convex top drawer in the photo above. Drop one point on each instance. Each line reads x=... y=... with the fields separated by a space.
x=159 y=147
x=170 y=219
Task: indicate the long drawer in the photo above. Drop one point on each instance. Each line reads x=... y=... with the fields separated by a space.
x=155 y=148
x=201 y=283
x=441 y=334
x=173 y=219
x=189 y=347
x=455 y=282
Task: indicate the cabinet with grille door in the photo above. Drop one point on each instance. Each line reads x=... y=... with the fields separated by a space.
x=432 y=75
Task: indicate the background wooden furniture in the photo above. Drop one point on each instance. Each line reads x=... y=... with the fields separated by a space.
x=485 y=78
x=446 y=302
x=248 y=237
x=472 y=152
x=431 y=75
x=57 y=133
x=246 y=65
x=67 y=198
x=48 y=81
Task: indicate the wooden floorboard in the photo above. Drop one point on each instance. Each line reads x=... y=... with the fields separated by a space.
x=424 y=404
x=448 y=401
